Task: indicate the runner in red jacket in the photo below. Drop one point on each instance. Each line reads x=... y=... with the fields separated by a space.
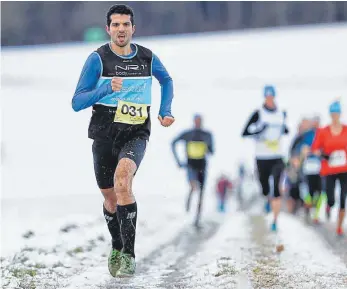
x=331 y=143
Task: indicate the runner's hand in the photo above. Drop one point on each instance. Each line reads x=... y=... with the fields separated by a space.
x=182 y=165
x=116 y=83
x=166 y=121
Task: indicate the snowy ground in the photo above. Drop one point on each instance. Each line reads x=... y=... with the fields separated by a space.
x=52 y=231
x=232 y=250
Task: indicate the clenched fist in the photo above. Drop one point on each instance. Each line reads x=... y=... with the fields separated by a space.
x=116 y=83
x=166 y=121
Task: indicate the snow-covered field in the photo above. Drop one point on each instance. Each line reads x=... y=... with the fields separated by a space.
x=52 y=231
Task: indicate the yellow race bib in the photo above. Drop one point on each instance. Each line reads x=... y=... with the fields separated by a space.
x=272 y=145
x=196 y=149
x=131 y=113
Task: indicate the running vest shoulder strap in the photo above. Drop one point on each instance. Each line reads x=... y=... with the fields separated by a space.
x=140 y=65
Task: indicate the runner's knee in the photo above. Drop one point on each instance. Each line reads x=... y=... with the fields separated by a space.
x=123 y=177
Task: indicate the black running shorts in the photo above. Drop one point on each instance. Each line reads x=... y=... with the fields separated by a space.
x=106 y=158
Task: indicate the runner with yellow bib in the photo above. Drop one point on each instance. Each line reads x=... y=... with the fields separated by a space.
x=198 y=143
x=116 y=81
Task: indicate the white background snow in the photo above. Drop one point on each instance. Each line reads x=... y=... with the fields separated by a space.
x=47 y=178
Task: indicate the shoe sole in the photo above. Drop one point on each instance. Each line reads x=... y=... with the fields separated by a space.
x=124 y=275
x=115 y=270
x=113 y=275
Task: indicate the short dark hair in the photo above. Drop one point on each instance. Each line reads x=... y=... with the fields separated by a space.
x=120 y=9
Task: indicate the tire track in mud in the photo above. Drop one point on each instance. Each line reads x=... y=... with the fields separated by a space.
x=165 y=266
x=189 y=244
x=271 y=271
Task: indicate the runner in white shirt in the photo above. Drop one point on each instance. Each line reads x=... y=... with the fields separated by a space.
x=267 y=125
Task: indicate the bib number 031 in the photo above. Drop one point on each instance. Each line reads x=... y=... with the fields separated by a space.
x=131 y=113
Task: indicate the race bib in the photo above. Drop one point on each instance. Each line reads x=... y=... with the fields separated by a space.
x=196 y=149
x=311 y=166
x=272 y=145
x=131 y=113
x=337 y=159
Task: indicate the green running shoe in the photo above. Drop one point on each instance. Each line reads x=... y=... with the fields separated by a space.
x=114 y=261
x=127 y=266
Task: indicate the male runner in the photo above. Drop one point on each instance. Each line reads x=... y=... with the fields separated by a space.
x=198 y=143
x=116 y=81
x=267 y=125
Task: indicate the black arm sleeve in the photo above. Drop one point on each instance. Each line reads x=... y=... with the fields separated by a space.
x=253 y=119
x=285 y=129
x=210 y=144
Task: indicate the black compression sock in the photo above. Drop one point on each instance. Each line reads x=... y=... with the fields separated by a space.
x=114 y=228
x=127 y=216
